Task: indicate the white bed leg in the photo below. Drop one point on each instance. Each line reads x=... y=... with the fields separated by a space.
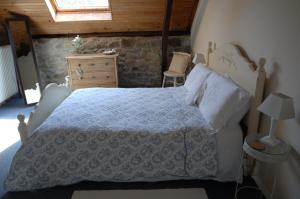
x=22 y=128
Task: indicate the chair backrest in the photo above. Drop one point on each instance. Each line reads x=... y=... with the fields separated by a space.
x=180 y=62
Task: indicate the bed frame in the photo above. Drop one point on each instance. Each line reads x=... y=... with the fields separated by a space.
x=51 y=97
x=224 y=60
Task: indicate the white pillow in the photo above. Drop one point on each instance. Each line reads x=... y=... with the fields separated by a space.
x=219 y=101
x=195 y=83
x=242 y=106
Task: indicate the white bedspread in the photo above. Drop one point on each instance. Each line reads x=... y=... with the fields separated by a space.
x=103 y=134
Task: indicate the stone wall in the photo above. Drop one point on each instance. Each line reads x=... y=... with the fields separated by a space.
x=139 y=62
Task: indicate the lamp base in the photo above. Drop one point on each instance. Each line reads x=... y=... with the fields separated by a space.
x=271 y=141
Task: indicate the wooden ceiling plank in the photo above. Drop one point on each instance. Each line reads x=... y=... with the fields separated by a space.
x=127 y=15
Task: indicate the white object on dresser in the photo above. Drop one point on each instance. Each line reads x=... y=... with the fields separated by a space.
x=279 y=107
x=270 y=154
x=92 y=70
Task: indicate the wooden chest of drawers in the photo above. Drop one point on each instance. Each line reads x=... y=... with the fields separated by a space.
x=93 y=70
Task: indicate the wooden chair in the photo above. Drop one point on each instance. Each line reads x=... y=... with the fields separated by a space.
x=177 y=69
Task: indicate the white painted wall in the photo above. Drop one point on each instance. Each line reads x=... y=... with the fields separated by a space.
x=267 y=29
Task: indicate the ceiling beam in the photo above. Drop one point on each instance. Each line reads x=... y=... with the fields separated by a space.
x=113 y=34
x=165 y=34
x=3 y=35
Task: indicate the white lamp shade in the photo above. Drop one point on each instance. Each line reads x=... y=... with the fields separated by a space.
x=278 y=106
x=198 y=58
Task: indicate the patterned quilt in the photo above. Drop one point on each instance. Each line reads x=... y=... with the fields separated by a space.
x=102 y=134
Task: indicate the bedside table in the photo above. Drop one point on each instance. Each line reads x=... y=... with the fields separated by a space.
x=269 y=154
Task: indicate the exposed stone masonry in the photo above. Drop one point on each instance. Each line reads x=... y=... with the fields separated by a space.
x=139 y=62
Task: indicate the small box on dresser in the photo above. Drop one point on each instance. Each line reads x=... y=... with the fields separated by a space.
x=92 y=70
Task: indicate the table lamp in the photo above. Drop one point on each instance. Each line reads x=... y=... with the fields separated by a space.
x=279 y=107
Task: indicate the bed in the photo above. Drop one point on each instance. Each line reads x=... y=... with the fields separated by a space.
x=138 y=134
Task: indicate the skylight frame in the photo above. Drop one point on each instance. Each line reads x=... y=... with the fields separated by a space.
x=74 y=15
x=89 y=9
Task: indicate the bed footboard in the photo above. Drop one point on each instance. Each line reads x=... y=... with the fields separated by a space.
x=52 y=96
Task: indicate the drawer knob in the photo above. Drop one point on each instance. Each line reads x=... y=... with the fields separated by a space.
x=106 y=64
x=107 y=76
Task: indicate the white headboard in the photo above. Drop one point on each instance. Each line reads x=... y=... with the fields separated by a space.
x=228 y=60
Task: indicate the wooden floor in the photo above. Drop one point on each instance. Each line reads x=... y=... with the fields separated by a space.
x=214 y=190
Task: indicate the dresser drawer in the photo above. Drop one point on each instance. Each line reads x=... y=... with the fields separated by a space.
x=105 y=65
x=88 y=85
x=102 y=77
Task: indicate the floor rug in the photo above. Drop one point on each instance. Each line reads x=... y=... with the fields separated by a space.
x=194 y=193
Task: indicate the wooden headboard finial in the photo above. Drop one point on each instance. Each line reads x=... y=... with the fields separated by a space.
x=22 y=128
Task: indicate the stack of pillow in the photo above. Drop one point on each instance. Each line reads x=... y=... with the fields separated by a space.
x=220 y=100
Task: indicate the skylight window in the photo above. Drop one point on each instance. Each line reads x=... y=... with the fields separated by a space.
x=79 y=10
x=81 y=4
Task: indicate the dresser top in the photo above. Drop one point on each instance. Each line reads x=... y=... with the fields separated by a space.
x=90 y=56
